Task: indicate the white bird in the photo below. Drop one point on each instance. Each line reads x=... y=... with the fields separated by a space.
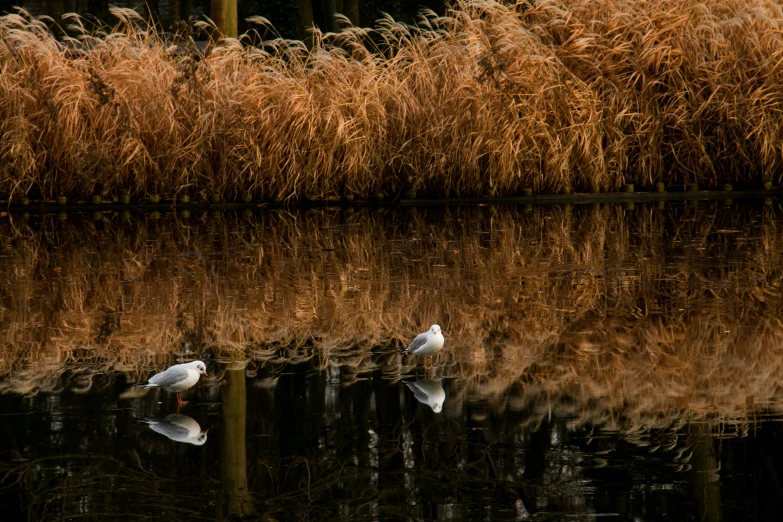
x=429 y=392
x=426 y=344
x=179 y=428
x=177 y=378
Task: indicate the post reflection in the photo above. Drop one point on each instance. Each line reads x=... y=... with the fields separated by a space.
x=235 y=499
x=705 y=472
x=179 y=428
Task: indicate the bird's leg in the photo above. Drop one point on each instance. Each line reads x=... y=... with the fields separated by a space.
x=180 y=402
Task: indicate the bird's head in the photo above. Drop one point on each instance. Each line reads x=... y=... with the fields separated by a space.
x=436 y=407
x=201 y=439
x=200 y=368
x=435 y=329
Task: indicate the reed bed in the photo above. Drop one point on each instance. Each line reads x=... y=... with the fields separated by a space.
x=627 y=319
x=491 y=98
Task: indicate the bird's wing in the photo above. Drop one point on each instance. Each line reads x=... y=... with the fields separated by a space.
x=434 y=390
x=417 y=342
x=170 y=377
x=183 y=421
x=427 y=391
x=420 y=394
x=173 y=431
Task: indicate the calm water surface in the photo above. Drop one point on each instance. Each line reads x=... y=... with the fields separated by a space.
x=610 y=362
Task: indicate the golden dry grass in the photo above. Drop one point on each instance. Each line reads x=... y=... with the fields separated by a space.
x=627 y=319
x=491 y=97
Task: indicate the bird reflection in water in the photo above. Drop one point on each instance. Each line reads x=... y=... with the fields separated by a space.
x=179 y=428
x=429 y=392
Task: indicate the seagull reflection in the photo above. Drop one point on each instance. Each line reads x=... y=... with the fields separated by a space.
x=179 y=428
x=429 y=392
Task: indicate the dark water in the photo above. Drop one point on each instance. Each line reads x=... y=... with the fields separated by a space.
x=312 y=449
x=551 y=404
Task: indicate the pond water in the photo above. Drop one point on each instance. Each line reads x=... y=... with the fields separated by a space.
x=620 y=362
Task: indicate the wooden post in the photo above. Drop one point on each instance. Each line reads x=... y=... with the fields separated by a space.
x=330 y=9
x=351 y=10
x=305 y=22
x=224 y=14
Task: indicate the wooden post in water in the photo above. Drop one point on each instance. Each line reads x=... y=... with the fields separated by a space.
x=233 y=458
x=224 y=14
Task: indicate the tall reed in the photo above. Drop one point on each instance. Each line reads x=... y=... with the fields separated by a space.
x=492 y=97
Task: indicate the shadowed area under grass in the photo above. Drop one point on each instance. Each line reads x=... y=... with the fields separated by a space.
x=492 y=98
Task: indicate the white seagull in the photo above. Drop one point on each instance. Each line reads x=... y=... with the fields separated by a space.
x=429 y=392
x=179 y=428
x=426 y=344
x=177 y=378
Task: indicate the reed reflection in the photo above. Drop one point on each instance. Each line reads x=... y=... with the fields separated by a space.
x=179 y=428
x=428 y=392
x=628 y=319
